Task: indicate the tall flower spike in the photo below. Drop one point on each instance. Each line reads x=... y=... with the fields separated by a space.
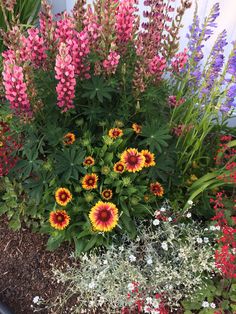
x=111 y=63
x=79 y=13
x=215 y=64
x=125 y=21
x=34 y=49
x=65 y=73
x=9 y=4
x=47 y=24
x=15 y=87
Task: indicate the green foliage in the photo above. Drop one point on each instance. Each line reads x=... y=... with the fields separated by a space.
x=68 y=164
x=222 y=292
x=26 y=12
x=156 y=136
x=98 y=89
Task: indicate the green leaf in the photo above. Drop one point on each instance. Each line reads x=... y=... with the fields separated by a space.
x=55 y=241
x=129 y=225
x=91 y=243
x=79 y=245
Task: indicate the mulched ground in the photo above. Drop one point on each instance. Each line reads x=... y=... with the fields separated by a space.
x=25 y=268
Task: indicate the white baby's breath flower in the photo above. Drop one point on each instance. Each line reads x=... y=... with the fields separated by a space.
x=149 y=261
x=162 y=209
x=132 y=258
x=212 y=228
x=212 y=305
x=170 y=219
x=121 y=248
x=205 y=304
x=155 y=303
x=164 y=245
x=105 y=262
x=36 y=299
x=190 y=202
x=188 y=215
x=199 y=240
x=131 y=286
x=206 y=240
x=91 y=303
x=156 y=222
x=149 y=300
x=147 y=309
x=217 y=228
x=92 y=285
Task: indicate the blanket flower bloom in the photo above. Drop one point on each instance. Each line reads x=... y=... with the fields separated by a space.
x=119 y=167
x=157 y=189
x=137 y=128
x=133 y=160
x=89 y=161
x=65 y=74
x=115 y=133
x=59 y=219
x=104 y=216
x=149 y=158
x=63 y=196
x=69 y=138
x=107 y=194
x=89 y=181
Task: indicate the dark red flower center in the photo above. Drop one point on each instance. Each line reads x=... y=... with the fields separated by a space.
x=120 y=167
x=60 y=217
x=116 y=133
x=156 y=188
x=104 y=215
x=147 y=159
x=91 y=181
x=107 y=194
x=133 y=160
x=88 y=161
x=63 y=196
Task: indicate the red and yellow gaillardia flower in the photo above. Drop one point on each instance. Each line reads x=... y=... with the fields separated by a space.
x=119 y=167
x=134 y=161
x=137 y=128
x=89 y=161
x=69 y=139
x=63 y=196
x=59 y=219
x=89 y=181
x=149 y=158
x=107 y=194
x=115 y=133
x=157 y=189
x=104 y=216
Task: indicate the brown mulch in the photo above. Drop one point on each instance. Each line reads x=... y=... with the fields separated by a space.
x=25 y=268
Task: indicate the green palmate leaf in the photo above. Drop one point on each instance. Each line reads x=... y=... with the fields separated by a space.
x=36 y=186
x=97 y=88
x=68 y=163
x=156 y=136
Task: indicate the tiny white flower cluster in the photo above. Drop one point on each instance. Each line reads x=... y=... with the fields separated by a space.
x=165 y=260
x=206 y=304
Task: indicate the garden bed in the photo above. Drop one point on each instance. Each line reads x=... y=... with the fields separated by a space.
x=26 y=268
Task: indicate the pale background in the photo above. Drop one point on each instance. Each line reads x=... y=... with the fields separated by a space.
x=226 y=20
